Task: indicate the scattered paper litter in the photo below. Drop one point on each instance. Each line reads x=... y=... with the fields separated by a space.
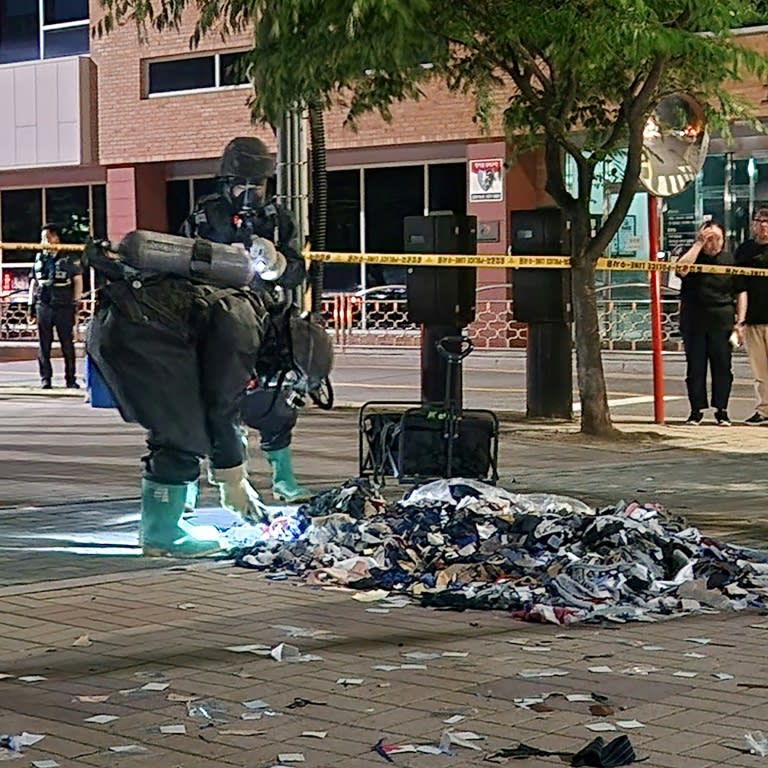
x=600 y=669
x=92 y=699
x=240 y=732
x=453 y=719
x=757 y=743
x=542 y=673
x=314 y=734
x=174 y=729
x=694 y=655
x=413 y=666
x=284 y=651
x=455 y=654
x=129 y=749
x=683 y=673
x=630 y=724
x=640 y=669
x=101 y=719
x=82 y=642
x=32 y=678
x=370 y=596
x=350 y=681
x=183 y=697
x=377 y=610
x=44 y=764
x=155 y=686
x=421 y=655
x=186 y=606
x=464 y=739
x=601 y=726
x=722 y=676
x=252 y=648
x=537 y=648
x=256 y=704
x=385 y=667
x=292 y=631
x=291 y=757
x=579 y=697
x=5 y=676
x=698 y=640
x=24 y=739
x=653 y=647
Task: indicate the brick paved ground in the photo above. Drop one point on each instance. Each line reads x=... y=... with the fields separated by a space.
x=130 y=610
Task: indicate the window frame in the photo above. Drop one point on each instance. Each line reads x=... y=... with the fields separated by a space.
x=216 y=88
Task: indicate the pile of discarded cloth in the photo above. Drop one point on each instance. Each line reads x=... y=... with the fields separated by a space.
x=463 y=544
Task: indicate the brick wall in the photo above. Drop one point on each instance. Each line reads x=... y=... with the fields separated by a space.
x=134 y=129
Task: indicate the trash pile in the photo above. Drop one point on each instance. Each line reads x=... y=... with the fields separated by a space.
x=462 y=544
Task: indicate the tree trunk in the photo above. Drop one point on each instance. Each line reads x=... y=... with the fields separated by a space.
x=595 y=416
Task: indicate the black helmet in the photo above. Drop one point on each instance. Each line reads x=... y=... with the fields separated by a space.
x=246 y=157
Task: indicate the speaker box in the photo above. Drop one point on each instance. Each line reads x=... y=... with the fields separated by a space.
x=540 y=295
x=441 y=295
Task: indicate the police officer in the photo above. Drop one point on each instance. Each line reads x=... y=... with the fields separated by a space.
x=55 y=290
x=237 y=213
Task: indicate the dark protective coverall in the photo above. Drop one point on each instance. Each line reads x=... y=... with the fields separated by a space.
x=263 y=408
x=177 y=356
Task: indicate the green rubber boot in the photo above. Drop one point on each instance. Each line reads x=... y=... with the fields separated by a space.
x=284 y=485
x=163 y=532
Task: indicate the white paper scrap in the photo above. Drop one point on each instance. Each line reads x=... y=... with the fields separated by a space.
x=101 y=719
x=252 y=648
x=184 y=697
x=413 y=666
x=350 y=681
x=456 y=654
x=283 y=652
x=91 y=699
x=251 y=716
x=256 y=704
x=377 y=610
x=385 y=667
x=600 y=669
x=82 y=642
x=683 y=673
x=32 y=678
x=291 y=757
x=722 y=676
x=44 y=764
x=542 y=673
x=155 y=686
x=372 y=596
x=694 y=655
x=186 y=606
x=421 y=655
x=314 y=734
x=601 y=726
x=129 y=749
x=453 y=719
x=630 y=724
x=579 y=697
x=698 y=640
x=240 y=732
x=653 y=647
x=174 y=729
x=5 y=676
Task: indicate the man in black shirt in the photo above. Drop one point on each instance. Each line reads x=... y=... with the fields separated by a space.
x=55 y=289
x=707 y=307
x=752 y=311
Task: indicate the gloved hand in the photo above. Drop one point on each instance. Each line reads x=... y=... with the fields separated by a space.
x=268 y=261
x=238 y=495
x=31 y=315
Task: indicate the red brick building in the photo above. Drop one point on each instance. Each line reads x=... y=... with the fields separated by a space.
x=106 y=135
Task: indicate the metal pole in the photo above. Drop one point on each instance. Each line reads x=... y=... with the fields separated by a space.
x=654 y=279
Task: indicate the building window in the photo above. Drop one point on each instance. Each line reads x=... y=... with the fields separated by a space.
x=194 y=73
x=22 y=218
x=42 y=29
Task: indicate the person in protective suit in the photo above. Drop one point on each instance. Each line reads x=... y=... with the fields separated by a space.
x=177 y=352
x=237 y=213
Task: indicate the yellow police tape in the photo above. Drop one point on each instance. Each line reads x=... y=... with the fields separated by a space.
x=498 y=261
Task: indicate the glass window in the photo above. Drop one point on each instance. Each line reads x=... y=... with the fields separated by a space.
x=391 y=194
x=70 y=41
x=230 y=70
x=176 y=203
x=63 y=11
x=448 y=188
x=22 y=218
x=19 y=31
x=343 y=229
x=182 y=74
x=68 y=208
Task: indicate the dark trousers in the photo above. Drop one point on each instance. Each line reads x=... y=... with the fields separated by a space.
x=708 y=348
x=62 y=318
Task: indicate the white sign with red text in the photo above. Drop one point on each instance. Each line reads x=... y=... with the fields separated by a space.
x=486 y=182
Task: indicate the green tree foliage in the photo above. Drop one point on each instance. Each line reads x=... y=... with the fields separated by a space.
x=576 y=77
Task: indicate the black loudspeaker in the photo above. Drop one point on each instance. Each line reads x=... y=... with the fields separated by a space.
x=540 y=295
x=441 y=295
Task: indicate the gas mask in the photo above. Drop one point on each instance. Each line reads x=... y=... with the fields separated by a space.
x=247 y=194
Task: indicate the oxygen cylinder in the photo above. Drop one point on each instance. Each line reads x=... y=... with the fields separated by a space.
x=218 y=263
